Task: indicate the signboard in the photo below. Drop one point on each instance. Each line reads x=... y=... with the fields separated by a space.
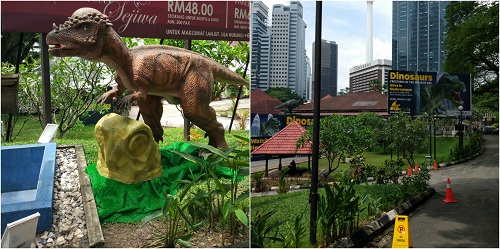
x=266 y=125
x=433 y=92
x=195 y=20
x=401 y=238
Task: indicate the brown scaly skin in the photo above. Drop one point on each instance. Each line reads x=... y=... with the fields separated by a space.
x=152 y=72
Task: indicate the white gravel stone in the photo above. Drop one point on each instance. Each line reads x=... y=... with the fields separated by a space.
x=68 y=226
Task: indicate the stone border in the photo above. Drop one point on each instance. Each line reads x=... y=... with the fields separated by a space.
x=368 y=232
x=94 y=231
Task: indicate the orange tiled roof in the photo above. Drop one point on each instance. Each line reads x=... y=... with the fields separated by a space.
x=261 y=102
x=258 y=95
x=283 y=142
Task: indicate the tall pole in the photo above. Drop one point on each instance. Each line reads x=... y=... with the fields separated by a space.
x=434 y=119
x=313 y=195
x=430 y=137
x=460 y=133
x=47 y=106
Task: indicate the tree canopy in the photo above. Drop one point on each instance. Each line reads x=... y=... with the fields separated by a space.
x=339 y=136
x=471 y=46
x=282 y=93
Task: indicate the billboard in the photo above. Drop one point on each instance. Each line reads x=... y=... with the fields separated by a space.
x=195 y=20
x=438 y=93
x=264 y=126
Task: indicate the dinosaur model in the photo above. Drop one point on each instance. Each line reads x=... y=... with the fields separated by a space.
x=291 y=104
x=447 y=89
x=151 y=72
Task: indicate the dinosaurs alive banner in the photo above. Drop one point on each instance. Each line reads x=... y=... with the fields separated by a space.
x=195 y=20
x=433 y=92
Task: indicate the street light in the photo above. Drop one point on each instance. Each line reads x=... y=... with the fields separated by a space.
x=460 y=134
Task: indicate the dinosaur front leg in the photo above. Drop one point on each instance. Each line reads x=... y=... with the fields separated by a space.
x=195 y=106
x=151 y=111
x=119 y=90
x=126 y=101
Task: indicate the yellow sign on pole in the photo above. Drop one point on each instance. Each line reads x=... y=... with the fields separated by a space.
x=401 y=237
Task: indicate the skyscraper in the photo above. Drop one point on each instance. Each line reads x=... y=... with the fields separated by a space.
x=418 y=35
x=288 y=53
x=260 y=37
x=329 y=67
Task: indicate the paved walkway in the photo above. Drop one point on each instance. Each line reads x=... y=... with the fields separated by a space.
x=471 y=222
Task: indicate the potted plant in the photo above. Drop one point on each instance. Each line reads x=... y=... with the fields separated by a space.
x=258 y=181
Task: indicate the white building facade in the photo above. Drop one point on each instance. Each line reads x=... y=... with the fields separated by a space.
x=361 y=77
x=288 y=61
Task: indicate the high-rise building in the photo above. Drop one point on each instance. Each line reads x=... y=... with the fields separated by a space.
x=418 y=35
x=260 y=46
x=309 y=92
x=370 y=76
x=329 y=67
x=288 y=53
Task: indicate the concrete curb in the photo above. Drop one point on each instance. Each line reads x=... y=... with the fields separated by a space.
x=367 y=233
x=94 y=231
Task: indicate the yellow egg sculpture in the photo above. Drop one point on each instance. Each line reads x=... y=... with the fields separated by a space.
x=128 y=152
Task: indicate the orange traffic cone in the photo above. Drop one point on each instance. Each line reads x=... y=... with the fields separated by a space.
x=449 y=193
x=409 y=171
x=435 y=165
x=417 y=169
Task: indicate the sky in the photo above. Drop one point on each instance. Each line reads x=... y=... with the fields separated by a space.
x=345 y=23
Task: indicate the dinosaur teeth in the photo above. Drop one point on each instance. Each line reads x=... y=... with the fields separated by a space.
x=54 y=26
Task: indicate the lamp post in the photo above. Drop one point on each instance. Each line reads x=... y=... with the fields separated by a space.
x=460 y=134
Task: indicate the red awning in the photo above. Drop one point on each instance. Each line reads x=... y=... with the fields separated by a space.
x=195 y=20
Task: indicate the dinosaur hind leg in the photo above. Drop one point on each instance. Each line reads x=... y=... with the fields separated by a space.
x=195 y=105
x=151 y=112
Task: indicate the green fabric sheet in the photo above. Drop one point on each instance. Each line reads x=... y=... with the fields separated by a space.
x=120 y=202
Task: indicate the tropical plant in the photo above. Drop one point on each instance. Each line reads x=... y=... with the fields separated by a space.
x=282 y=186
x=174 y=215
x=295 y=233
x=338 y=212
x=228 y=202
x=261 y=230
x=257 y=180
x=390 y=171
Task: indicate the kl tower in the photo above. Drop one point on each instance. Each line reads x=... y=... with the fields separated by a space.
x=369 y=31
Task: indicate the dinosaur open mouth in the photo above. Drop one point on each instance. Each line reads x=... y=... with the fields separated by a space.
x=456 y=97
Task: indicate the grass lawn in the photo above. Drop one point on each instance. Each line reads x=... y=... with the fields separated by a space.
x=84 y=135
x=377 y=158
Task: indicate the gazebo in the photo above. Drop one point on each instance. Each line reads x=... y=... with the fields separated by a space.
x=284 y=143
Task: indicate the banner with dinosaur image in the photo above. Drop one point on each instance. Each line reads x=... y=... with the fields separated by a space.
x=438 y=93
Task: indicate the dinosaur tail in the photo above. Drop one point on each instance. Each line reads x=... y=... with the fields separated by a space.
x=223 y=74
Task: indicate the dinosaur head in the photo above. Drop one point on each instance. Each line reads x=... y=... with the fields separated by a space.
x=83 y=35
x=451 y=87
